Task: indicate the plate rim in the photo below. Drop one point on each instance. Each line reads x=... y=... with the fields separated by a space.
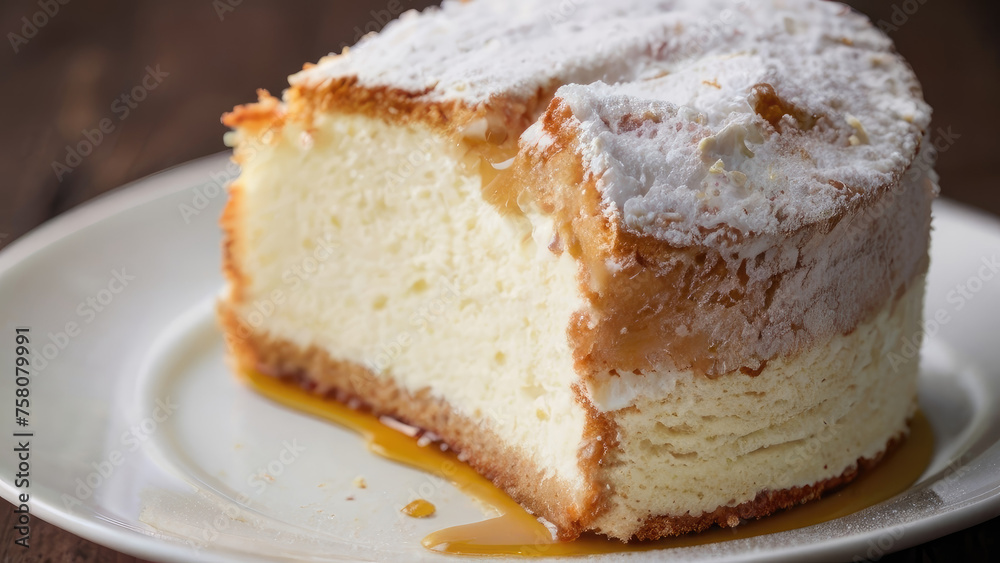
x=184 y=176
x=104 y=206
x=122 y=199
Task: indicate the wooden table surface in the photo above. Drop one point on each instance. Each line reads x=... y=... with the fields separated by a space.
x=63 y=80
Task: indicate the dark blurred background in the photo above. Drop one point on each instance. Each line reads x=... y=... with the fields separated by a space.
x=60 y=80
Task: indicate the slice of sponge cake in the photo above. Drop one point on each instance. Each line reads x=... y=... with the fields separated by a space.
x=629 y=260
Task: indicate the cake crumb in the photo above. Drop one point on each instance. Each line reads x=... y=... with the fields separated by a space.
x=360 y=482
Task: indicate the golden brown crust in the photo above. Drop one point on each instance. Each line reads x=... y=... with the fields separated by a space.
x=504 y=119
x=700 y=307
x=571 y=511
x=232 y=242
x=394 y=105
x=600 y=439
x=267 y=112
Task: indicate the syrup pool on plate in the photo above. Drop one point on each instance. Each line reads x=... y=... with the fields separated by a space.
x=516 y=532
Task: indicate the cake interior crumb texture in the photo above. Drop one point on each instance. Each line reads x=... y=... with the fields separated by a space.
x=631 y=260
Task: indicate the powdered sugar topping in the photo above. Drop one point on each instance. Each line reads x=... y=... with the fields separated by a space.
x=696 y=117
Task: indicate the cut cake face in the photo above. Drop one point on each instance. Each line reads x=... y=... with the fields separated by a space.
x=624 y=259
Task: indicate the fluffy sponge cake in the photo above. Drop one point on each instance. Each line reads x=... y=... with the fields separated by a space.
x=630 y=258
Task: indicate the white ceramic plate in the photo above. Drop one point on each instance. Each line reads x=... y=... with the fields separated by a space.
x=144 y=442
